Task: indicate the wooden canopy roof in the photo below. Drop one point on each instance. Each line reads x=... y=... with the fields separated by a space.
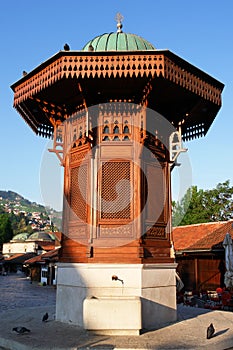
x=73 y=80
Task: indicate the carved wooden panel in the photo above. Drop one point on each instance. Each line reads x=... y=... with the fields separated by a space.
x=77 y=232
x=125 y=151
x=156 y=194
x=122 y=231
x=116 y=190
x=77 y=156
x=78 y=192
x=156 y=232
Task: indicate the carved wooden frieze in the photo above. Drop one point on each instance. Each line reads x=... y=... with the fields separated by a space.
x=115 y=65
x=157 y=232
x=112 y=231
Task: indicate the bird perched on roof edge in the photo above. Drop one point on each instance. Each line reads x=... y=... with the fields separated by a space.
x=210 y=331
x=90 y=48
x=66 y=47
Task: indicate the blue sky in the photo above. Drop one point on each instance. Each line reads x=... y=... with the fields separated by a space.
x=199 y=31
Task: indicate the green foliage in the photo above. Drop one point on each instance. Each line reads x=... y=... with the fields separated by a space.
x=220 y=200
x=19 y=223
x=199 y=206
x=6 y=232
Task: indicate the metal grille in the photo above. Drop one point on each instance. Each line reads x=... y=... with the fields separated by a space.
x=116 y=191
x=78 y=192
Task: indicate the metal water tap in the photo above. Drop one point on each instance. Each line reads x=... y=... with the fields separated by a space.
x=115 y=278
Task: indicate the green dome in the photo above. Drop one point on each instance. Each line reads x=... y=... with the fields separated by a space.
x=118 y=42
x=21 y=236
x=40 y=236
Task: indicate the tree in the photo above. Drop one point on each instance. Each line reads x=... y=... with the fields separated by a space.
x=6 y=232
x=219 y=202
x=199 y=206
x=20 y=223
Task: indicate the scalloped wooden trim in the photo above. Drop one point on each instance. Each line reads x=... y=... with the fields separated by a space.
x=112 y=66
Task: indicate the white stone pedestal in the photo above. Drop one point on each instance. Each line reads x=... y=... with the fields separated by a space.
x=143 y=296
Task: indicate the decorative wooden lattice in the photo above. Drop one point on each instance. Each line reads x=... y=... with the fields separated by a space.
x=123 y=231
x=156 y=202
x=156 y=232
x=82 y=66
x=116 y=191
x=77 y=156
x=78 y=192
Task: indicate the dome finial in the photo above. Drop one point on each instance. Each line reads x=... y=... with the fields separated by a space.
x=119 y=19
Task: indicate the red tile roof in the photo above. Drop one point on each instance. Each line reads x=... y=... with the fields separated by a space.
x=35 y=259
x=52 y=255
x=19 y=258
x=201 y=236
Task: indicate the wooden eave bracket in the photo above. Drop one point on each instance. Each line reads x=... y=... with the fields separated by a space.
x=58 y=148
x=175 y=147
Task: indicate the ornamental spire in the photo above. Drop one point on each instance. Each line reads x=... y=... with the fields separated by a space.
x=119 y=18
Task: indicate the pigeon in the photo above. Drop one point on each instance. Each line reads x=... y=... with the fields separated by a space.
x=45 y=317
x=210 y=331
x=90 y=48
x=24 y=73
x=21 y=330
x=66 y=47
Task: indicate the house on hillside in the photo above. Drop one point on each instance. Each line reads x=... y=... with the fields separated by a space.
x=200 y=254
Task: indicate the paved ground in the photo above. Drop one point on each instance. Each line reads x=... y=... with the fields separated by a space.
x=24 y=304
x=17 y=291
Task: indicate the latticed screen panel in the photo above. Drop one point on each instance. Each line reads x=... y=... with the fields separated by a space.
x=116 y=192
x=156 y=200
x=78 y=192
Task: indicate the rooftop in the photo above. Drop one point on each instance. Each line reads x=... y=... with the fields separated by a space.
x=40 y=236
x=21 y=236
x=205 y=236
x=118 y=41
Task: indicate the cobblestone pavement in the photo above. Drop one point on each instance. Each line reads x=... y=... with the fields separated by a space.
x=17 y=291
x=24 y=304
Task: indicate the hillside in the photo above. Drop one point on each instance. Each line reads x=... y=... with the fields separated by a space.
x=15 y=200
x=12 y=202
